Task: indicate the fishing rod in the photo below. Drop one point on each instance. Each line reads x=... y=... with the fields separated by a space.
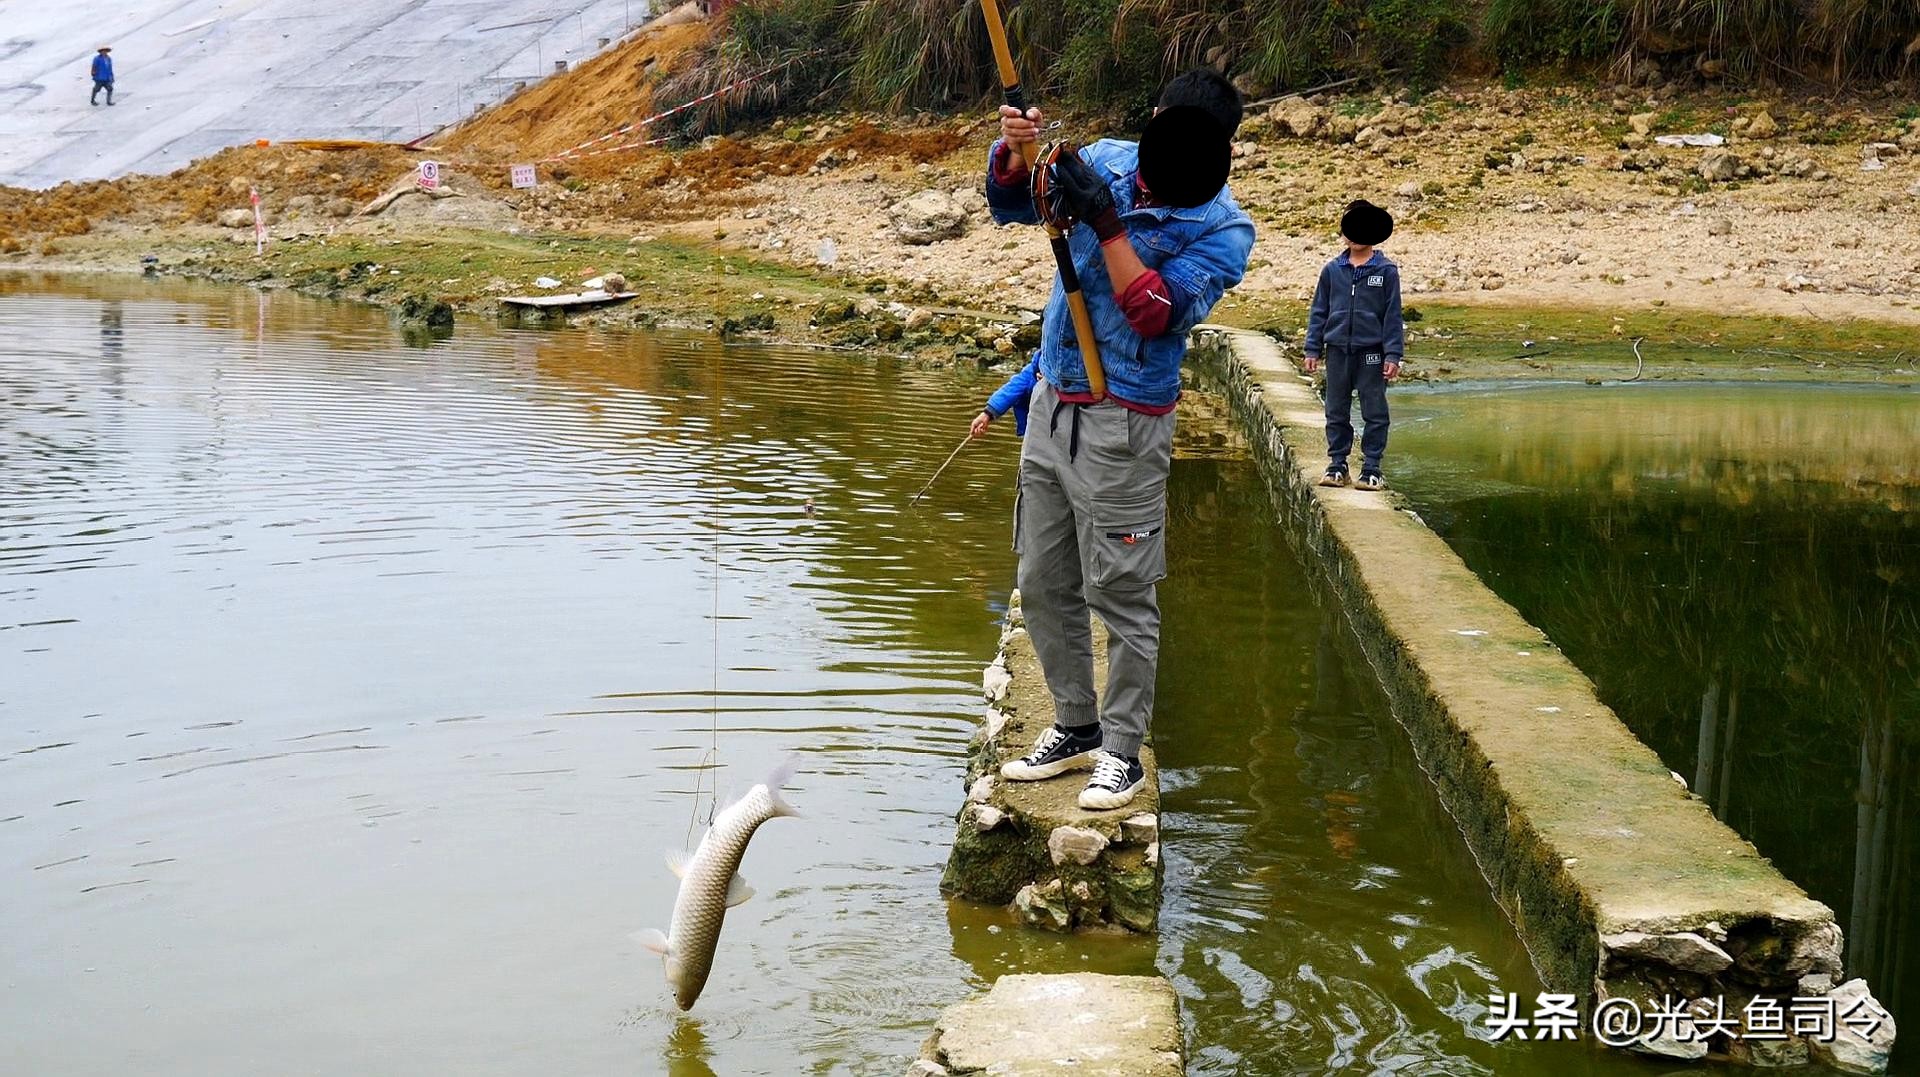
x=1062 y=254
x=940 y=470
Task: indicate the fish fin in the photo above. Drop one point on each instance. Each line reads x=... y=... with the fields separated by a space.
x=652 y=939
x=781 y=775
x=677 y=863
x=738 y=891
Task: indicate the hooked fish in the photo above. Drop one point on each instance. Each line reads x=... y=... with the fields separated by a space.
x=710 y=884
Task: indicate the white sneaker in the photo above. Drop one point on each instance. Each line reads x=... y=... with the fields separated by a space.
x=1056 y=752
x=1114 y=783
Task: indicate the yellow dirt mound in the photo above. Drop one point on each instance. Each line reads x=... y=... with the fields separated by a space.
x=287 y=177
x=561 y=112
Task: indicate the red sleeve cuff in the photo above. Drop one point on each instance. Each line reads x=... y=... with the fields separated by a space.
x=1009 y=170
x=1148 y=304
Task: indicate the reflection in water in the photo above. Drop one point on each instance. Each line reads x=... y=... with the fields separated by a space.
x=686 y=1054
x=1739 y=571
x=1322 y=912
x=347 y=684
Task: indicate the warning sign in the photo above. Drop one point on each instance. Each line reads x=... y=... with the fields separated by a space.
x=429 y=175
x=522 y=176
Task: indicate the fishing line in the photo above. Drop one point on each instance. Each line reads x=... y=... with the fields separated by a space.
x=711 y=760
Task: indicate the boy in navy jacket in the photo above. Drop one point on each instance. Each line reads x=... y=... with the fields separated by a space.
x=1356 y=332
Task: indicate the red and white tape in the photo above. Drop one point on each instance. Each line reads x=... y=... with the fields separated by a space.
x=584 y=149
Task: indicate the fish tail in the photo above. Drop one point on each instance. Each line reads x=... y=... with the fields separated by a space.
x=781 y=775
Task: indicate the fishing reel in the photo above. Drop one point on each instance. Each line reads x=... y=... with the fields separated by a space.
x=1047 y=201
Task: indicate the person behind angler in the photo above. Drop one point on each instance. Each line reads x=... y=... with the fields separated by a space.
x=1159 y=240
x=102 y=75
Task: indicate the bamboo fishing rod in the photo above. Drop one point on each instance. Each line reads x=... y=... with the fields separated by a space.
x=1062 y=254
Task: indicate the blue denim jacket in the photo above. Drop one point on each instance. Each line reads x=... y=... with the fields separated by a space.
x=1199 y=252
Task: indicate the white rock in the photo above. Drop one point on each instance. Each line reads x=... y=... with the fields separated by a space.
x=982 y=789
x=928 y=217
x=1814 y=985
x=1681 y=950
x=995 y=681
x=1718 y=166
x=1864 y=1031
x=1076 y=844
x=986 y=817
x=924 y=1068
x=1141 y=829
x=1817 y=951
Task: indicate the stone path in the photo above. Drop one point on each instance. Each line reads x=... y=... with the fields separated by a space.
x=1030 y=843
x=1082 y=1024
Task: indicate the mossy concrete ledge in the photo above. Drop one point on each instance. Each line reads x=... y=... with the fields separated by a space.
x=1619 y=881
x=1083 y=1024
x=1030 y=844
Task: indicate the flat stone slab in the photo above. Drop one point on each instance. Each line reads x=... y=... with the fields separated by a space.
x=1619 y=881
x=1030 y=844
x=1082 y=1024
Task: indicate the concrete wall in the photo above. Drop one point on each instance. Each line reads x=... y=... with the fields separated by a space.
x=1619 y=882
x=196 y=76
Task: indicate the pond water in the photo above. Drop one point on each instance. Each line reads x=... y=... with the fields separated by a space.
x=352 y=689
x=1738 y=569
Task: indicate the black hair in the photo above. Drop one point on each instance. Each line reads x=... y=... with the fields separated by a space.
x=1207 y=89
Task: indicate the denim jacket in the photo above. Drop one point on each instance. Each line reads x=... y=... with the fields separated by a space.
x=1199 y=253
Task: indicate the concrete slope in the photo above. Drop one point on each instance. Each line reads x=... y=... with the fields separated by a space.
x=195 y=76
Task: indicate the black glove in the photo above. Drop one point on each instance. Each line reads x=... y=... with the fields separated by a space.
x=1085 y=196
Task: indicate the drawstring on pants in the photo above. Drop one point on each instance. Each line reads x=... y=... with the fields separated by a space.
x=1073 y=431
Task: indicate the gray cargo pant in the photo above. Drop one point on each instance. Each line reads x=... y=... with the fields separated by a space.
x=1090 y=529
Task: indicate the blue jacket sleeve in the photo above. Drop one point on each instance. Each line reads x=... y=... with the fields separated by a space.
x=1200 y=274
x=1015 y=395
x=1391 y=324
x=1010 y=205
x=1317 y=318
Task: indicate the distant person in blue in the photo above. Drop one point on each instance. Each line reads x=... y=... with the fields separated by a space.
x=1355 y=331
x=102 y=75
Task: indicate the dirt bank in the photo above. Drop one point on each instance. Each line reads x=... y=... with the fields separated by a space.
x=1521 y=212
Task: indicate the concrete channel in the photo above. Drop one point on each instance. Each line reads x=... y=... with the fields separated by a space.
x=1620 y=882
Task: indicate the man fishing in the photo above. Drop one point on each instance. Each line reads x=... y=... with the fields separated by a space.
x=1156 y=239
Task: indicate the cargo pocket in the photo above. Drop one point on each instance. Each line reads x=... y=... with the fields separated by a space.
x=1130 y=542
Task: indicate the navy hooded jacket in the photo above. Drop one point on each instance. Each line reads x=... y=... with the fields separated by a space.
x=1357 y=309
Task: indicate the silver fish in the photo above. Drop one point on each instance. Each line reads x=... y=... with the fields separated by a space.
x=710 y=884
